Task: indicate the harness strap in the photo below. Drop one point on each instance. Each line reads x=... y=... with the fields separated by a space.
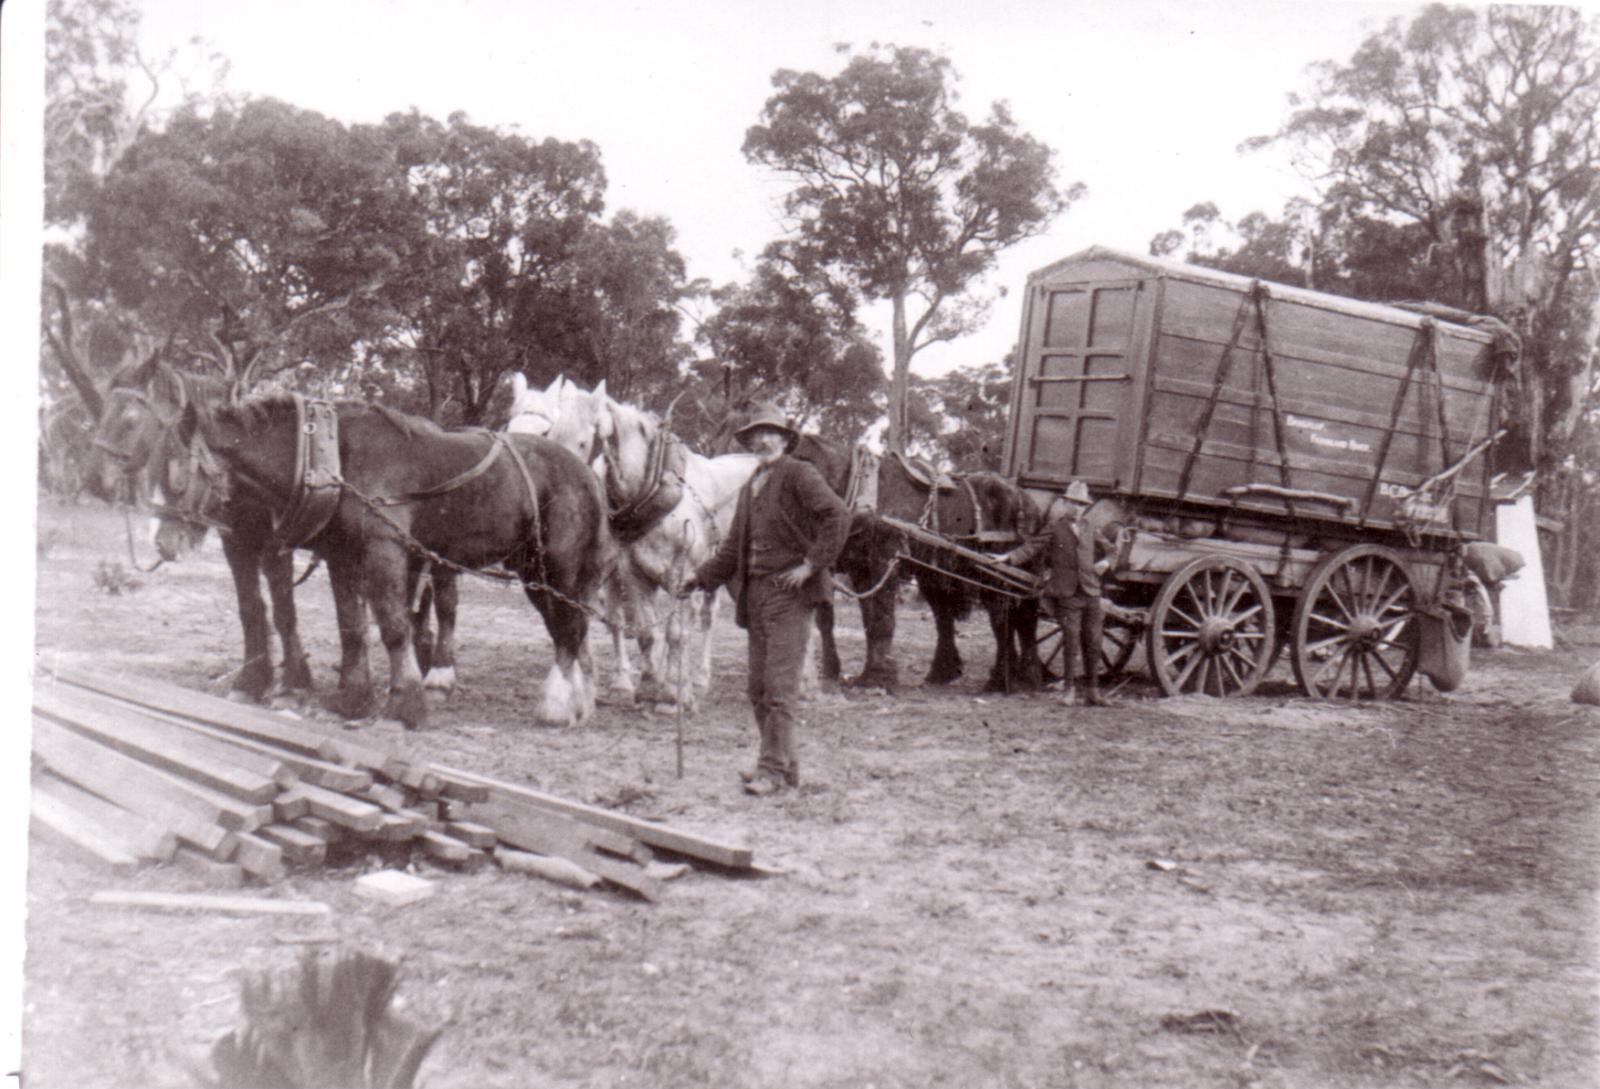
x=496 y=442
x=318 y=484
x=645 y=508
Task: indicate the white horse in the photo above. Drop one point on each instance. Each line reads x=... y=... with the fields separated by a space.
x=625 y=445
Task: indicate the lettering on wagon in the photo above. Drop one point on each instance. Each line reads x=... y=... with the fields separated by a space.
x=1313 y=427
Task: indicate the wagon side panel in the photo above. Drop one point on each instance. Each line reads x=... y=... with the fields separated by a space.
x=1345 y=418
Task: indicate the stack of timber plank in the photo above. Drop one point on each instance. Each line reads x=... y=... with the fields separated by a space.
x=132 y=770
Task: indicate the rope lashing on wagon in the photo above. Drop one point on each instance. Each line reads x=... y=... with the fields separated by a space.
x=1422 y=351
x=1254 y=305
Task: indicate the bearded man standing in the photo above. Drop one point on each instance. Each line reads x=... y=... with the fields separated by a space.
x=788 y=529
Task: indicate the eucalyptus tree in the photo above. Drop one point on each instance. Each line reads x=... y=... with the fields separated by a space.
x=790 y=334
x=255 y=236
x=902 y=196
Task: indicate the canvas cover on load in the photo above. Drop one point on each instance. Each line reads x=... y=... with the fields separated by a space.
x=1147 y=378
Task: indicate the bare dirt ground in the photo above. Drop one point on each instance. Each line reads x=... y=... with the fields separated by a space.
x=1383 y=895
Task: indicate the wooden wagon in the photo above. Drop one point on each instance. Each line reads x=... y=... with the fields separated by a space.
x=1281 y=469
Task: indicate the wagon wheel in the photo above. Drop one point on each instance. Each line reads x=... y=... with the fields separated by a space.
x=1353 y=629
x=1211 y=629
x=1118 y=640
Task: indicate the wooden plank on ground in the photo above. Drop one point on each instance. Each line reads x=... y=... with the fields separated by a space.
x=471 y=833
x=149 y=743
x=308 y=769
x=600 y=838
x=548 y=867
x=389 y=797
x=551 y=833
x=369 y=757
x=148 y=839
x=399 y=826
x=131 y=784
x=451 y=850
x=236 y=718
x=67 y=825
x=222 y=874
x=228 y=905
x=299 y=846
x=341 y=809
x=267 y=762
x=666 y=837
x=323 y=829
x=259 y=857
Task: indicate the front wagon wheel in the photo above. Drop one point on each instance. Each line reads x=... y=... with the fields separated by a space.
x=1355 y=633
x=1211 y=629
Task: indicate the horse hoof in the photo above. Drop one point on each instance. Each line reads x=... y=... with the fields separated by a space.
x=353 y=703
x=409 y=707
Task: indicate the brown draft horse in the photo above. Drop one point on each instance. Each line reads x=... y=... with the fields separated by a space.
x=408 y=491
x=962 y=510
x=137 y=453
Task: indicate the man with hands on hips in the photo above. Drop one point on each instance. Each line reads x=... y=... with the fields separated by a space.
x=788 y=529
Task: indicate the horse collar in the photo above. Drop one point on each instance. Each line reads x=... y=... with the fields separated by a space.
x=317 y=483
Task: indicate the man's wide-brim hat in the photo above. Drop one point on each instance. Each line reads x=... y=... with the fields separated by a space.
x=766 y=415
x=1078 y=492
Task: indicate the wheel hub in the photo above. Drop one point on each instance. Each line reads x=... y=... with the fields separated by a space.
x=1216 y=636
x=1365 y=631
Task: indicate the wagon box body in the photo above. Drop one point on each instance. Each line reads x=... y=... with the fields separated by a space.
x=1147 y=379
x=1283 y=469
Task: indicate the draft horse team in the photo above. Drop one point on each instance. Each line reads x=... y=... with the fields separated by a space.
x=591 y=505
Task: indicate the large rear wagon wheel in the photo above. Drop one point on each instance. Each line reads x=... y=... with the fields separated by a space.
x=1355 y=632
x=1211 y=629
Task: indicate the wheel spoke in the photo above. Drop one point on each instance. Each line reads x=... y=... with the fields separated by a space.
x=1183 y=677
x=1254 y=610
x=1330 y=622
x=1226 y=665
x=1195 y=622
x=1321 y=645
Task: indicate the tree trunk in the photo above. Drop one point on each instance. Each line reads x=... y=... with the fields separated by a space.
x=899 y=384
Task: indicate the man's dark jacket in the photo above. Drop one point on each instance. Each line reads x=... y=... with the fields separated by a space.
x=796 y=517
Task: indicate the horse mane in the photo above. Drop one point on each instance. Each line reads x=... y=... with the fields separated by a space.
x=257 y=412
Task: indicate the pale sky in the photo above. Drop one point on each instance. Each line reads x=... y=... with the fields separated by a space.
x=1144 y=101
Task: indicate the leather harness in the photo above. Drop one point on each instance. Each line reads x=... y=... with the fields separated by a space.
x=319 y=483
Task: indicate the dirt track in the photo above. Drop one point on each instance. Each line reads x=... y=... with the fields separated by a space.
x=981 y=891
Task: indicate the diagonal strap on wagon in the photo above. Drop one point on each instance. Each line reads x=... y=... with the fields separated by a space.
x=1253 y=304
x=1423 y=355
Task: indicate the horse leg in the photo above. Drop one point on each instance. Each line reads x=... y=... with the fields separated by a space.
x=441 y=675
x=243 y=553
x=877 y=620
x=419 y=605
x=1006 y=674
x=706 y=617
x=279 y=570
x=617 y=611
x=385 y=569
x=946 y=665
x=827 y=649
x=1028 y=673
x=355 y=698
x=568 y=696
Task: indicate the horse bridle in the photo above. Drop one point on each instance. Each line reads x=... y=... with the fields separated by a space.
x=201 y=467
